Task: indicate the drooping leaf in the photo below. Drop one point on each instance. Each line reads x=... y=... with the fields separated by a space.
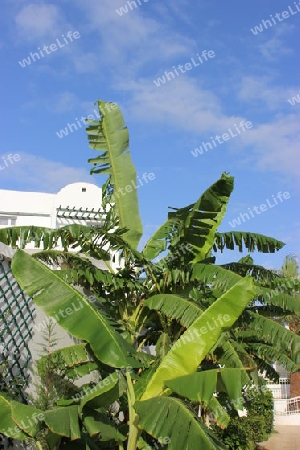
x=179 y=308
x=280 y=298
x=271 y=354
x=45 y=238
x=200 y=386
x=251 y=241
x=274 y=333
x=259 y=273
x=79 y=317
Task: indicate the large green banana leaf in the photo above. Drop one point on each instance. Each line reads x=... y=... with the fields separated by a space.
x=200 y=386
x=110 y=137
x=75 y=313
x=217 y=277
x=167 y=417
x=158 y=241
x=103 y=394
x=192 y=347
x=195 y=224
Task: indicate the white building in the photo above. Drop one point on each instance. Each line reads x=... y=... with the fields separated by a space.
x=75 y=203
x=20 y=325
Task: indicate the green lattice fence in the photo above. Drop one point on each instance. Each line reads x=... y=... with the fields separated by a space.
x=16 y=321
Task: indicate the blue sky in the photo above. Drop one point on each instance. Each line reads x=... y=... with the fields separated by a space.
x=117 y=58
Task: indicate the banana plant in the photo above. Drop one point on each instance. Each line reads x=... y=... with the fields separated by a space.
x=85 y=421
x=201 y=317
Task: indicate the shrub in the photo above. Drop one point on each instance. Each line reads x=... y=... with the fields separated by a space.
x=243 y=433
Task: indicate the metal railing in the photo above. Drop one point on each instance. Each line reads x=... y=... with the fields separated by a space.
x=286 y=407
x=280 y=390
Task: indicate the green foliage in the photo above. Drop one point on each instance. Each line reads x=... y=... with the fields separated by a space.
x=198 y=316
x=158 y=415
x=200 y=338
x=244 y=432
x=51 y=385
x=251 y=241
x=194 y=224
x=261 y=403
x=12 y=386
x=290 y=267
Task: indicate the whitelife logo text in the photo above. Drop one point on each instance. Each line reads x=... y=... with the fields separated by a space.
x=132 y=5
x=49 y=48
x=71 y=127
x=225 y=136
x=259 y=209
x=294 y=100
x=183 y=68
x=9 y=160
x=267 y=23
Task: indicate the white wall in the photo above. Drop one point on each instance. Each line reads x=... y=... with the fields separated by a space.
x=37 y=208
x=291 y=420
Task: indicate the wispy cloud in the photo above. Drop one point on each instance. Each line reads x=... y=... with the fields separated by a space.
x=65 y=101
x=275 y=47
x=136 y=48
x=41 y=174
x=36 y=21
x=182 y=103
x=254 y=90
x=135 y=40
x=85 y=62
x=275 y=145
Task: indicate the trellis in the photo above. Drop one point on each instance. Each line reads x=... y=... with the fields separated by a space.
x=16 y=314
x=80 y=213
